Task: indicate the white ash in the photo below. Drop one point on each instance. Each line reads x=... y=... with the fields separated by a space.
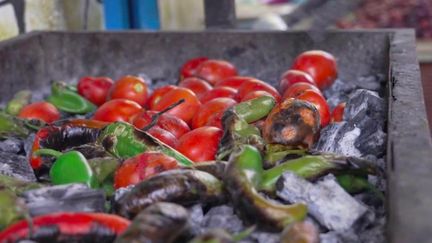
x=11 y=145
x=196 y=217
x=223 y=217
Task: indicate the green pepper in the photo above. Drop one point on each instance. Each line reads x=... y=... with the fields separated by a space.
x=69 y=167
x=355 y=184
x=14 y=126
x=20 y=99
x=69 y=101
x=123 y=140
x=12 y=208
x=255 y=109
x=103 y=169
x=277 y=152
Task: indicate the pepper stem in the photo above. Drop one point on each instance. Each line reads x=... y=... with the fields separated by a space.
x=156 y=117
x=49 y=152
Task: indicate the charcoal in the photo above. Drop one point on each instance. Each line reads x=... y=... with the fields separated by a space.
x=16 y=166
x=327 y=201
x=11 y=145
x=262 y=237
x=338 y=92
x=68 y=198
x=365 y=103
x=28 y=144
x=375 y=233
x=196 y=217
x=339 y=138
x=223 y=217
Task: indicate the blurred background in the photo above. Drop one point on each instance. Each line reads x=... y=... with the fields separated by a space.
x=20 y=16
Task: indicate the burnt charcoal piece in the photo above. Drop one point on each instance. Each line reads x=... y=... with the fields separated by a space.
x=64 y=198
x=365 y=103
x=339 y=138
x=16 y=166
x=11 y=145
x=222 y=217
x=327 y=201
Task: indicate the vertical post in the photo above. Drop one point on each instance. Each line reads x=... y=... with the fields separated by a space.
x=220 y=14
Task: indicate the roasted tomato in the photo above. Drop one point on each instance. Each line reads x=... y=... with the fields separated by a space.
x=117 y=110
x=200 y=144
x=170 y=123
x=338 y=112
x=185 y=110
x=255 y=94
x=189 y=67
x=163 y=135
x=254 y=85
x=40 y=110
x=212 y=108
x=291 y=77
x=320 y=65
x=141 y=167
x=131 y=88
x=320 y=103
x=298 y=88
x=157 y=95
x=234 y=82
x=218 y=92
x=197 y=85
x=214 y=71
x=95 y=89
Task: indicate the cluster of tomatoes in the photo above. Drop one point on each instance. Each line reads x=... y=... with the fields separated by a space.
x=194 y=127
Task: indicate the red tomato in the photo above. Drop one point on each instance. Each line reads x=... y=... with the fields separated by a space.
x=254 y=85
x=163 y=135
x=95 y=89
x=218 y=92
x=170 y=123
x=215 y=70
x=40 y=110
x=157 y=95
x=197 y=85
x=291 y=77
x=200 y=144
x=213 y=107
x=255 y=94
x=131 y=88
x=320 y=103
x=117 y=110
x=185 y=110
x=216 y=120
x=189 y=67
x=298 y=88
x=141 y=167
x=320 y=65
x=233 y=82
x=338 y=111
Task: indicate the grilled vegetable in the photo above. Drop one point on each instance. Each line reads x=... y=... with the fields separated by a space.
x=255 y=109
x=159 y=223
x=20 y=99
x=69 y=101
x=214 y=236
x=304 y=232
x=17 y=186
x=216 y=168
x=11 y=126
x=11 y=207
x=184 y=187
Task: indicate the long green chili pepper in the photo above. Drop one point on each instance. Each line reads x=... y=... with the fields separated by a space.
x=243 y=175
x=20 y=99
x=278 y=152
x=69 y=101
x=11 y=208
x=355 y=184
x=255 y=109
x=12 y=126
x=123 y=140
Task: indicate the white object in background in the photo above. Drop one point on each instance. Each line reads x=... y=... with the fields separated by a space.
x=269 y=22
x=181 y=15
x=8 y=24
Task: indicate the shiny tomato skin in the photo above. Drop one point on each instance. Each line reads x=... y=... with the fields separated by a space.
x=197 y=85
x=200 y=144
x=298 y=88
x=42 y=110
x=141 y=167
x=255 y=94
x=164 y=136
x=189 y=67
x=291 y=77
x=95 y=89
x=170 y=123
x=214 y=71
x=185 y=110
x=117 y=110
x=320 y=103
x=213 y=107
x=131 y=88
x=157 y=95
x=254 y=85
x=320 y=65
x=338 y=112
x=218 y=92
x=234 y=82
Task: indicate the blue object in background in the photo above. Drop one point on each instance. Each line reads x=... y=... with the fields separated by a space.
x=131 y=14
x=117 y=14
x=145 y=14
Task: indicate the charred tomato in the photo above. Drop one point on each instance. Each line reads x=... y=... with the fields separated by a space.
x=95 y=89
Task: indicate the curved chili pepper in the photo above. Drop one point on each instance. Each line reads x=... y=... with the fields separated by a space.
x=243 y=175
x=255 y=109
x=185 y=187
x=69 y=101
x=275 y=153
x=123 y=140
x=74 y=227
x=20 y=99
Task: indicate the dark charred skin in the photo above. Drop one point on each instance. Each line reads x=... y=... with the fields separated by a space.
x=64 y=137
x=161 y=222
x=214 y=236
x=185 y=187
x=300 y=232
x=216 y=168
x=91 y=151
x=292 y=122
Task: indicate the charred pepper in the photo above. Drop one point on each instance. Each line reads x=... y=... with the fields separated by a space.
x=68 y=100
x=255 y=109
